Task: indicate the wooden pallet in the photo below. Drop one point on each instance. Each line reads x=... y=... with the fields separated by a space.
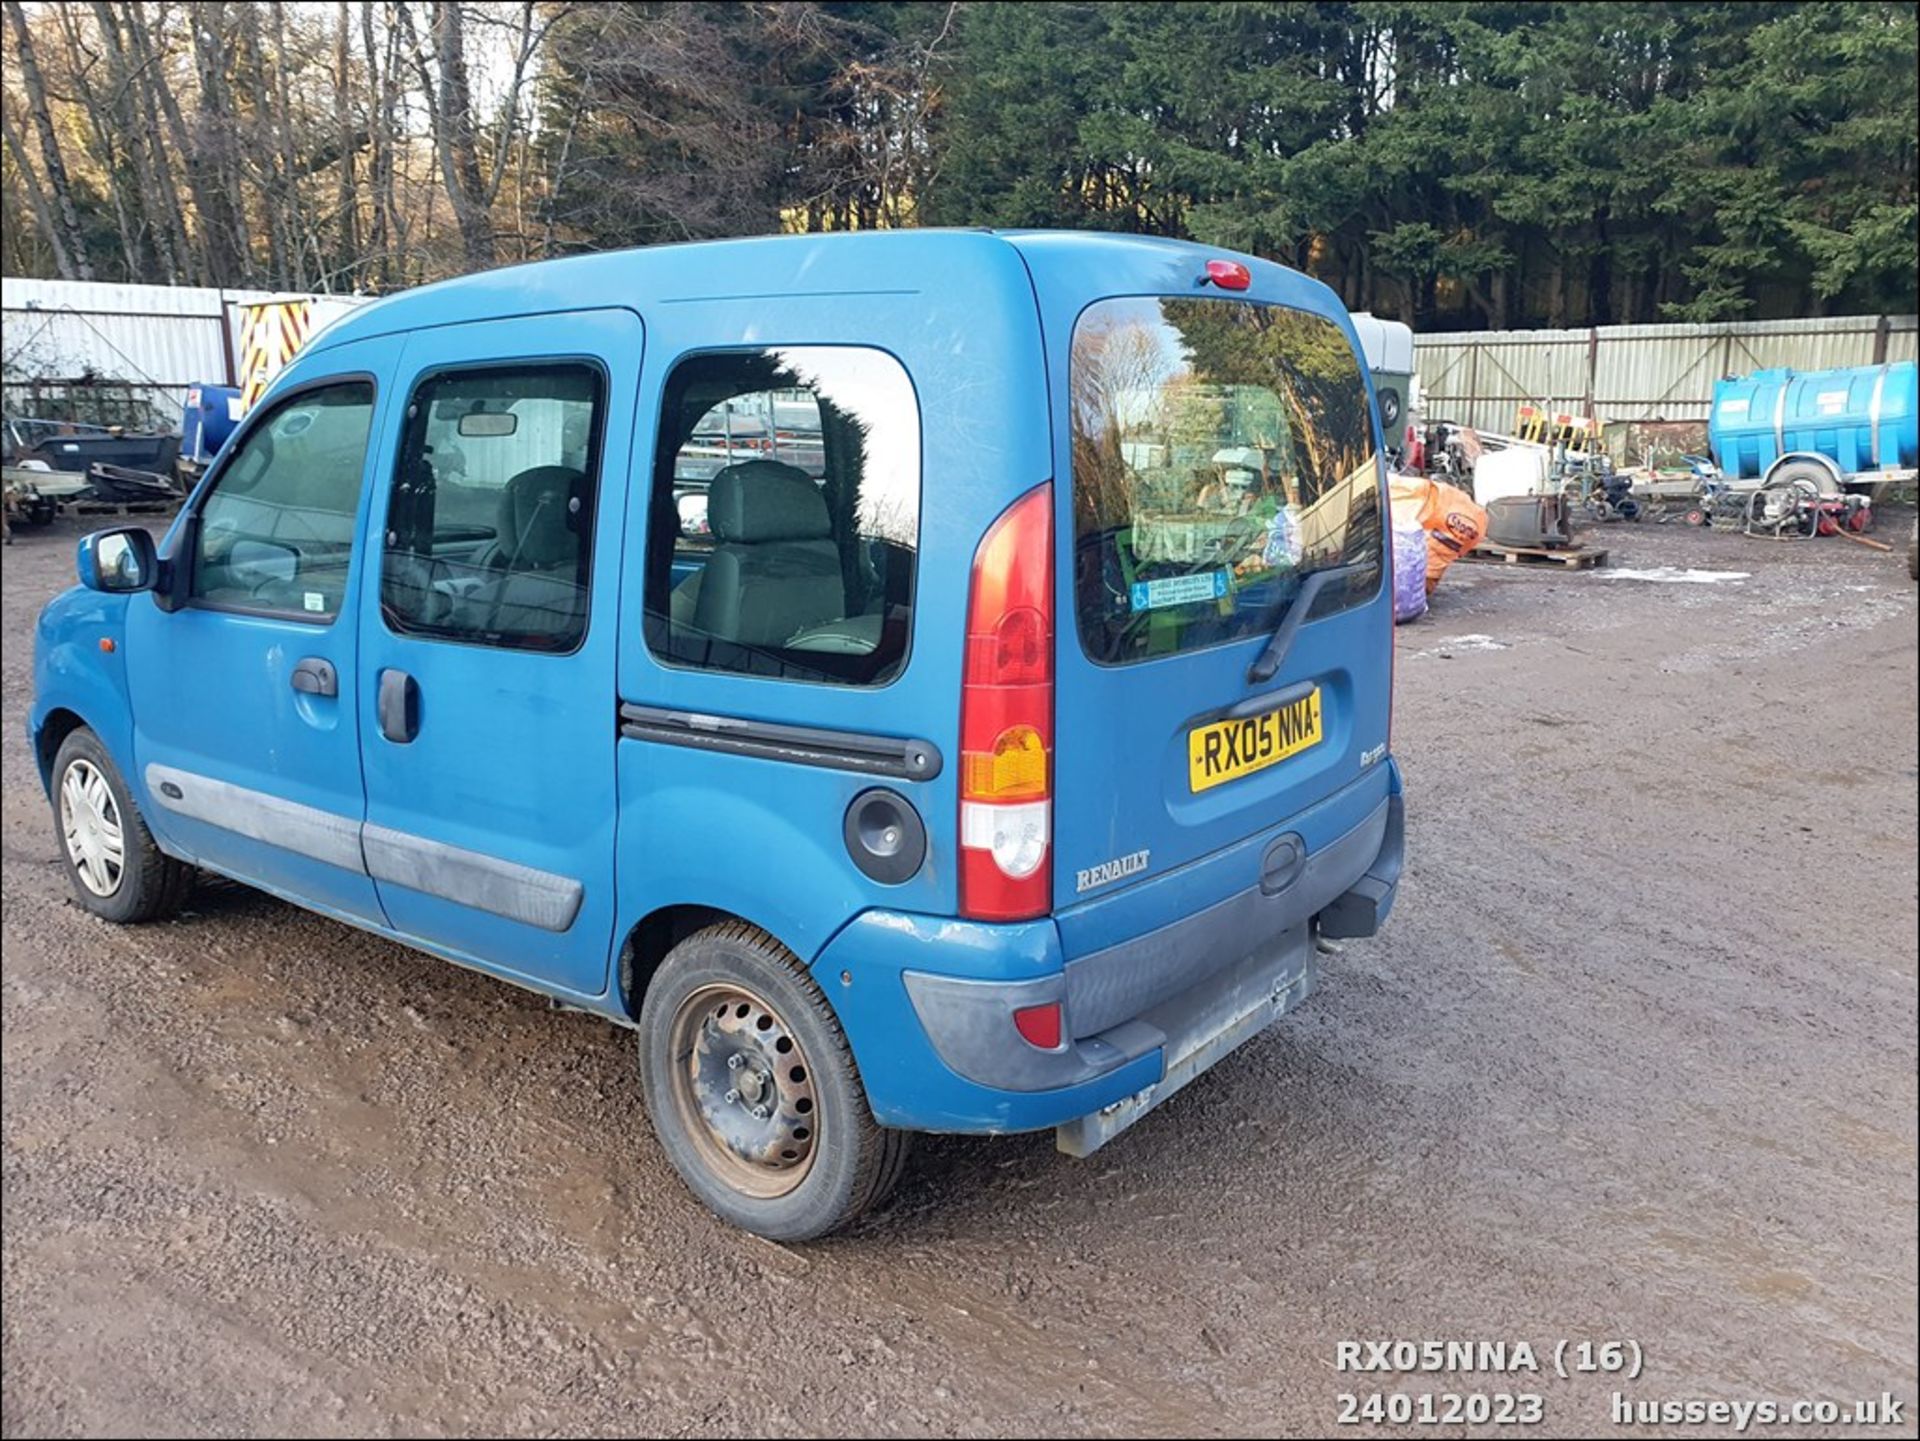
x=1570 y=557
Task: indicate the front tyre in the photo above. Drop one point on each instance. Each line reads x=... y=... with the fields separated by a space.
x=117 y=870
x=753 y=1091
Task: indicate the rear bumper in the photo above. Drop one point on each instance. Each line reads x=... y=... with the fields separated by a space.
x=928 y=1003
x=1361 y=909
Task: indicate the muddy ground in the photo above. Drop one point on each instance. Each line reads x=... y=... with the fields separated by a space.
x=1634 y=1060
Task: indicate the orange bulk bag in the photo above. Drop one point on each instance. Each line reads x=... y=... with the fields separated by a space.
x=1449 y=516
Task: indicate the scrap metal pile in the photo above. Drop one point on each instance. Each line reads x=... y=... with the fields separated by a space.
x=53 y=464
x=1787 y=455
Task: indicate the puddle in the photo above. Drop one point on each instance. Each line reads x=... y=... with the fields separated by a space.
x=1674 y=575
x=1449 y=649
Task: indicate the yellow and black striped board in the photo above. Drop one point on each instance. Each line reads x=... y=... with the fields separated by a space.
x=271 y=335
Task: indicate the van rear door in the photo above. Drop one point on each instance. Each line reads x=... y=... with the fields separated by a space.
x=1219 y=454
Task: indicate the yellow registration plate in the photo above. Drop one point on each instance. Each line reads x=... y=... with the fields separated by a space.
x=1227 y=750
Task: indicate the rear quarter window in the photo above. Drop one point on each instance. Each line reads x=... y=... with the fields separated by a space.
x=1222 y=452
x=785 y=515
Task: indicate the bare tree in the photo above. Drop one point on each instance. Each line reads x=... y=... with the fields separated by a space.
x=57 y=181
x=449 y=97
x=386 y=239
x=347 y=200
x=678 y=145
x=153 y=198
x=146 y=78
x=37 y=197
x=261 y=156
x=280 y=134
x=106 y=132
x=212 y=261
x=223 y=142
x=472 y=187
x=230 y=258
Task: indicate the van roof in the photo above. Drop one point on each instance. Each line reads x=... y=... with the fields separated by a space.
x=846 y=263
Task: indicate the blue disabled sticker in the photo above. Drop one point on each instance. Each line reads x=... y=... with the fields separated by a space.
x=1179 y=590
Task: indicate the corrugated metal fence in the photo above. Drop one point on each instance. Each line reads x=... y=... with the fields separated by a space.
x=1636 y=372
x=160 y=339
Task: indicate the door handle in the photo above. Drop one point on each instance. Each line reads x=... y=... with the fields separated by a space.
x=399 y=706
x=314 y=676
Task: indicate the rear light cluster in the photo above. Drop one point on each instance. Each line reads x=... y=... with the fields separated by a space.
x=1006 y=718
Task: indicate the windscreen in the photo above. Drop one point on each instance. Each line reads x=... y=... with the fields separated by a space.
x=1222 y=452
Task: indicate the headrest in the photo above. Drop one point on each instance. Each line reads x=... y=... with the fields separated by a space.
x=540 y=523
x=758 y=501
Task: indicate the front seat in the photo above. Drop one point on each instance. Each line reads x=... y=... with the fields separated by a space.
x=543 y=528
x=774 y=570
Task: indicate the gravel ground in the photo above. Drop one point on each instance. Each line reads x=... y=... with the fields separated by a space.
x=1634 y=1060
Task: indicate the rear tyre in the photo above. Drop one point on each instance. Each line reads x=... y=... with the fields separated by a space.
x=753 y=1090
x=116 y=869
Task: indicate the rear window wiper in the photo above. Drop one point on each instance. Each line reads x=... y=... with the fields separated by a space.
x=1292 y=613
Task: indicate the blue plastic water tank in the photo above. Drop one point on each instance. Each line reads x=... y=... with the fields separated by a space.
x=1862 y=418
x=211 y=414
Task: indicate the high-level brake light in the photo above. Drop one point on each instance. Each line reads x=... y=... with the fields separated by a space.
x=1229 y=274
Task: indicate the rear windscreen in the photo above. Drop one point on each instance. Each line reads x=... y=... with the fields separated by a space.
x=1222 y=451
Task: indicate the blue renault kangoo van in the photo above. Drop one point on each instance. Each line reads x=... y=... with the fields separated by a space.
x=918 y=681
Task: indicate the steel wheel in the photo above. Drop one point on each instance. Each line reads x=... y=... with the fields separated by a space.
x=744 y=1090
x=90 y=822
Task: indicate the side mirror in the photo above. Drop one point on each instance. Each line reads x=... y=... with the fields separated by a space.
x=118 y=561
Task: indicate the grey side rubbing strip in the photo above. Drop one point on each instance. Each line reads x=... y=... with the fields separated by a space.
x=271 y=820
x=906 y=760
x=468 y=878
x=503 y=888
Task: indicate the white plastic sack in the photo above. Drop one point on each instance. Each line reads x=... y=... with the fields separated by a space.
x=1409 y=572
x=1518 y=470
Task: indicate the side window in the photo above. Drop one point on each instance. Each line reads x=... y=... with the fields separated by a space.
x=276 y=533
x=785 y=515
x=490 y=526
